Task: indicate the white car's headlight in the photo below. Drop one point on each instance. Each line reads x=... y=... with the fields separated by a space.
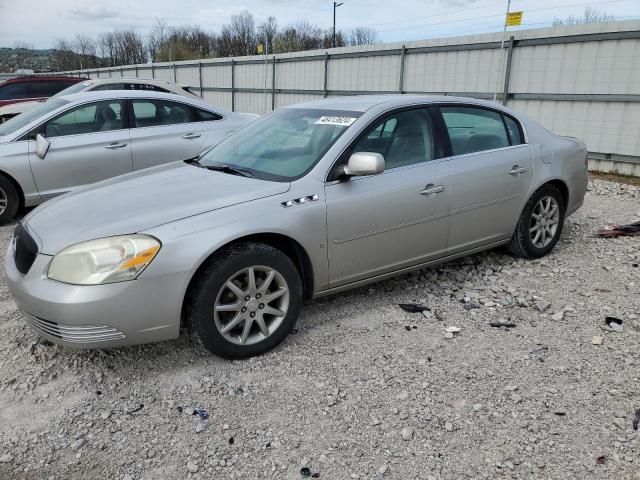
x=106 y=260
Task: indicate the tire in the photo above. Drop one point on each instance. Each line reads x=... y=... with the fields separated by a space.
x=523 y=243
x=212 y=306
x=9 y=200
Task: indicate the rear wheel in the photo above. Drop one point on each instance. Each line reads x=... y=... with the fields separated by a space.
x=9 y=200
x=540 y=224
x=246 y=301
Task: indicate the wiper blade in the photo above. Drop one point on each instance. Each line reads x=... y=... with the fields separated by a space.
x=229 y=169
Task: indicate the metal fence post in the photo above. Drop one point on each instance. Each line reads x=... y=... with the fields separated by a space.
x=121 y=72
x=136 y=71
x=233 y=85
x=175 y=73
x=403 y=52
x=109 y=70
x=153 y=72
x=200 y=79
x=507 y=73
x=326 y=74
x=273 y=84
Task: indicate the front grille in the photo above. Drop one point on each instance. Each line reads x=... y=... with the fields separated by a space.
x=73 y=334
x=26 y=249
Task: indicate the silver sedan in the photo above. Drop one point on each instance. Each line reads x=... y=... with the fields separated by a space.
x=310 y=200
x=77 y=139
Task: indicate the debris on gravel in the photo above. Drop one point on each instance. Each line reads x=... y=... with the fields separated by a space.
x=352 y=394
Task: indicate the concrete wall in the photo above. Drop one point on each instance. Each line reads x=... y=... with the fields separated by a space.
x=581 y=80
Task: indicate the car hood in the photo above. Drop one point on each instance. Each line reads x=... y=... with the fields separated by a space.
x=139 y=201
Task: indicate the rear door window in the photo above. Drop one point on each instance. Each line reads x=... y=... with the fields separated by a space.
x=513 y=130
x=474 y=129
x=153 y=113
x=46 y=88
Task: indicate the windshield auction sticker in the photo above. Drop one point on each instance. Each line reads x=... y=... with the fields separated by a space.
x=342 y=121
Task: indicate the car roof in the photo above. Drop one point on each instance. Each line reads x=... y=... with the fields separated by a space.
x=362 y=103
x=121 y=94
x=40 y=78
x=150 y=81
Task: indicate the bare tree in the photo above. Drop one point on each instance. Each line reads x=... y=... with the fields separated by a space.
x=157 y=38
x=298 y=37
x=591 y=15
x=362 y=36
x=238 y=37
x=267 y=32
x=63 y=57
x=22 y=54
x=86 y=48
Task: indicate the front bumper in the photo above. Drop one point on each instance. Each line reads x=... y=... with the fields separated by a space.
x=98 y=316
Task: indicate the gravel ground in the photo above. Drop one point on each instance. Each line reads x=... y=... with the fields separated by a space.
x=363 y=389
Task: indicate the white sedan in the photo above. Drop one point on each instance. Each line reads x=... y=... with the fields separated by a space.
x=82 y=138
x=101 y=84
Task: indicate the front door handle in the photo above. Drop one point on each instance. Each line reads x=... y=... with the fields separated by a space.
x=115 y=145
x=517 y=170
x=191 y=136
x=432 y=189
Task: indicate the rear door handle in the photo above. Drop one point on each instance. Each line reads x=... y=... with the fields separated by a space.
x=190 y=136
x=115 y=145
x=516 y=170
x=432 y=189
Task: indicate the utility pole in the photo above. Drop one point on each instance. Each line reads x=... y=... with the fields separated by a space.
x=504 y=34
x=335 y=5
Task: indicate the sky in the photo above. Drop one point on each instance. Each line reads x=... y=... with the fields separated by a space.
x=39 y=23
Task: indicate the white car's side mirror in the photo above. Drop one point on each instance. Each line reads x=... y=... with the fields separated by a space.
x=364 y=163
x=42 y=146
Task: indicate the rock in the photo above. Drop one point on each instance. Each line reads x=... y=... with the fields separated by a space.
x=78 y=444
x=477 y=407
x=616 y=327
x=448 y=426
x=542 y=306
x=6 y=458
x=448 y=335
x=402 y=395
x=192 y=467
x=597 y=340
x=558 y=316
x=407 y=433
x=453 y=330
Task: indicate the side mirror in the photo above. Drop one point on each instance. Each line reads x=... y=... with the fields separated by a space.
x=364 y=163
x=42 y=145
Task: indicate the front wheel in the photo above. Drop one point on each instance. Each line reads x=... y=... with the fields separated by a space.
x=9 y=200
x=246 y=300
x=540 y=224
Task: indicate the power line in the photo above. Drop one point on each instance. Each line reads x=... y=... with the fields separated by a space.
x=409 y=27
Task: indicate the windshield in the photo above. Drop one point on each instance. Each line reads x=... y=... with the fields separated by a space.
x=16 y=123
x=284 y=145
x=75 y=88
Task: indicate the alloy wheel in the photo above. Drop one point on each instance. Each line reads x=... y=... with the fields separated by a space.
x=251 y=305
x=544 y=222
x=3 y=201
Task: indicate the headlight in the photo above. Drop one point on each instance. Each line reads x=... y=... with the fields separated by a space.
x=106 y=260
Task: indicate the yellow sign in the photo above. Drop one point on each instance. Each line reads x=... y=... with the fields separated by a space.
x=514 y=19
x=260 y=49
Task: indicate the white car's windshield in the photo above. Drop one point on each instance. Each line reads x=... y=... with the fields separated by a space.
x=284 y=145
x=16 y=123
x=75 y=88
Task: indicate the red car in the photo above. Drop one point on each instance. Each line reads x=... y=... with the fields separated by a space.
x=29 y=88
